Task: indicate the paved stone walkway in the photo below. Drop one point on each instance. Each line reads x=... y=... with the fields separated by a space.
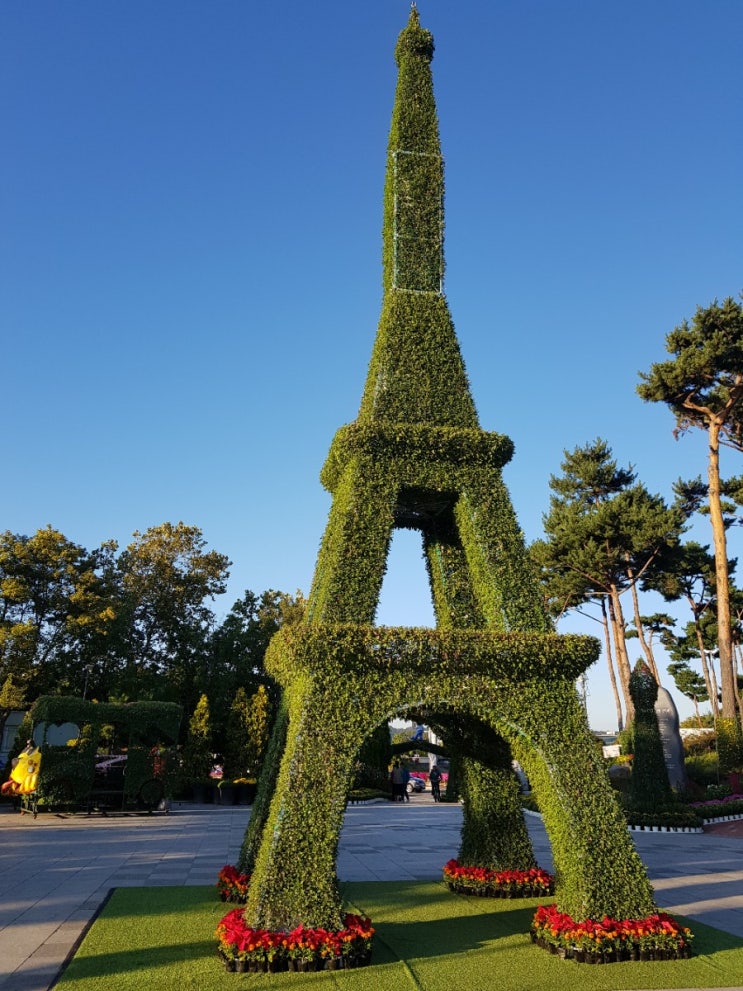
x=56 y=870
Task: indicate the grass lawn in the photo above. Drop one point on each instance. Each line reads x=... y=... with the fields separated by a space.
x=427 y=938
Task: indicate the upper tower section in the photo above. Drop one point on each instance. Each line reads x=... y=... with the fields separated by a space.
x=416 y=374
x=414 y=189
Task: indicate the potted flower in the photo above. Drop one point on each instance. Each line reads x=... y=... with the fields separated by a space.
x=356 y=941
x=233 y=885
x=301 y=947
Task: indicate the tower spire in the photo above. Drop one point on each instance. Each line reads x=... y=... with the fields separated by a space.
x=416 y=374
x=414 y=190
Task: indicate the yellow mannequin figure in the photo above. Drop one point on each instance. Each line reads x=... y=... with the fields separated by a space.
x=25 y=772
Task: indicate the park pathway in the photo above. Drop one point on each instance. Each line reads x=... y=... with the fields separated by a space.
x=55 y=871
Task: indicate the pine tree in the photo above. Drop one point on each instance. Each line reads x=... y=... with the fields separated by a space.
x=702 y=385
x=258 y=726
x=248 y=729
x=197 y=752
x=605 y=532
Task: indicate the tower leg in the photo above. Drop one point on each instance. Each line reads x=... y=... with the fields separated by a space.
x=294 y=880
x=598 y=871
x=494 y=834
x=353 y=555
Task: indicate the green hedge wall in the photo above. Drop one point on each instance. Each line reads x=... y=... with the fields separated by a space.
x=67 y=772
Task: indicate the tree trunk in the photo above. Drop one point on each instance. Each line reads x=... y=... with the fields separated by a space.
x=713 y=678
x=646 y=648
x=737 y=670
x=724 y=637
x=696 y=710
x=710 y=680
x=709 y=675
x=616 y=617
x=610 y=665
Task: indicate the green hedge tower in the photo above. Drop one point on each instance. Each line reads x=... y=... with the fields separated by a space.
x=416 y=458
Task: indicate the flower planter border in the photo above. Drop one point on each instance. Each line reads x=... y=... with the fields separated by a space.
x=656 y=937
x=483 y=882
x=243 y=949
x=665 y=829
x=234 y=965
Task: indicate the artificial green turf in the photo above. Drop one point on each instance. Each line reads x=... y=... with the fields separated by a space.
x=427 y=938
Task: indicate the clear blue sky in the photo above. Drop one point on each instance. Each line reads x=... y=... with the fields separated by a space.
x=190 y=208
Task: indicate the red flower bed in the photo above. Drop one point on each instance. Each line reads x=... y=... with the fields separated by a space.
x=243 y=948
x=232 y=885
x=657 y=937
x=498 y=884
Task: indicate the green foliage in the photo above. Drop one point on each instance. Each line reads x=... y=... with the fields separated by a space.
x=343 y=680
x=12 y=696
x=414 y=192
x=197 y=752
x=266 y=788
x=626 y=739
x=604 y=530
x=374 y=758
x=53 y=604
x=705 y=721
x=248 y=728
x=147 y=731
x=729 y=745
x=236 y=738
x=699 y=743
x=689 y=682
x=133 y=625
x=167 y=577
x=494 y=834
x=702 y=385
x=649 y=787
x=415 y=458
x=717 y=792
x=703 y=769
x=705 y=372
x=674 y=817
x=727 y=808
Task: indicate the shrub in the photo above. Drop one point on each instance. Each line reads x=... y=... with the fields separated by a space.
x=649 y=788
x=700 y=743
x=703 y=769
x=197 y=753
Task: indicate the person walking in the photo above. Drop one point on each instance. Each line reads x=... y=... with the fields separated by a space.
x=397 y=783
x=434 y=777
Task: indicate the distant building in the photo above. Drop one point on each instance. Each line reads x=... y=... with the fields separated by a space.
x=10 y=728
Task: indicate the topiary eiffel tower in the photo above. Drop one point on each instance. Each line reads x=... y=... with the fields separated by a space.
x=416 y=457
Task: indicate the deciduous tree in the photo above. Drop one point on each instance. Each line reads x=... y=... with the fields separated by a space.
x=167 y=579
x=52 y=601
